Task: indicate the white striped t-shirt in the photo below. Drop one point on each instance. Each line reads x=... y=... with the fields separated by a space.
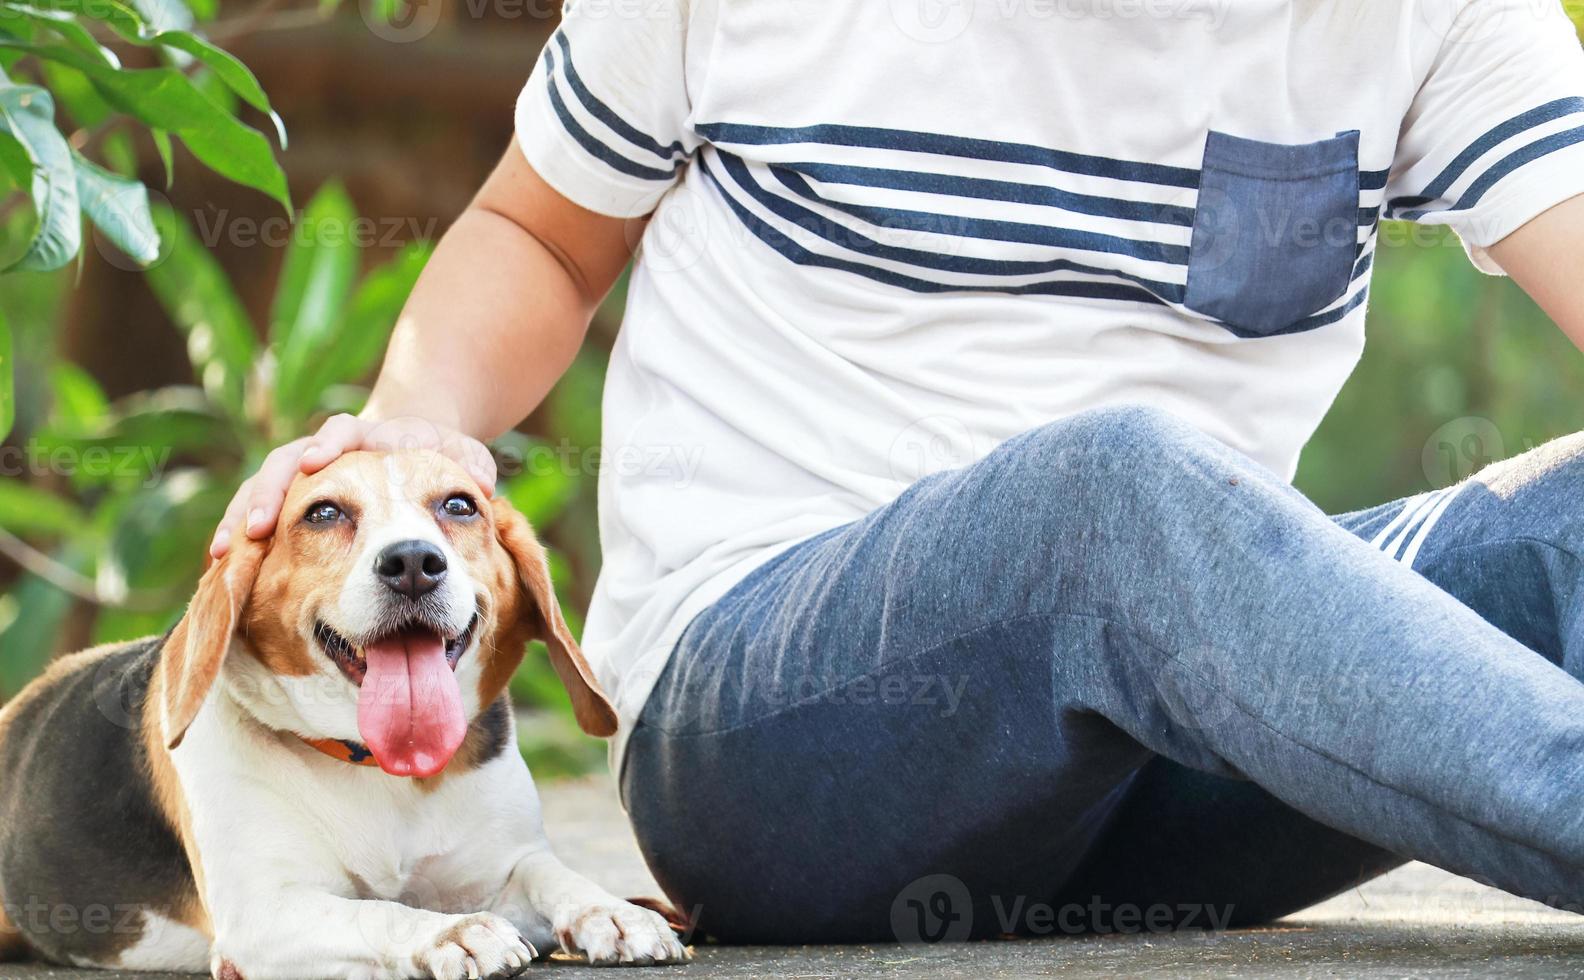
x=888 y=235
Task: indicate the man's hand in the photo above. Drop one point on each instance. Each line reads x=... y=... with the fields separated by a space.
x=261 y=496
x=497 y=315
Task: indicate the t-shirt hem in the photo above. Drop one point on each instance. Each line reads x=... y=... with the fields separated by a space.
x=1535 y=189
x=633 y=697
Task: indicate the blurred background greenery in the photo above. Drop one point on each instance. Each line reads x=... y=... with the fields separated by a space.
x=143 y=396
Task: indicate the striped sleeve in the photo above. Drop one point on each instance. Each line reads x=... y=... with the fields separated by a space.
x=1495 y=134
x=604 y=118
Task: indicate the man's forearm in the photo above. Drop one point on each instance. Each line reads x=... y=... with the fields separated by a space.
x=494 y=320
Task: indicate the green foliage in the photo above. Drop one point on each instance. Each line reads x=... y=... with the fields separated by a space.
x=314 y=287
x=121 y=510
x=197 y=296
x=26 y=114
x=34 y=511
x=118 y=206
x=66 y=49
x=31 y=615
x=1460 y=369
x=67 y=46
x=7 y=395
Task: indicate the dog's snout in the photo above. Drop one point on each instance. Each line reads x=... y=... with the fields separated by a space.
x=413 y=568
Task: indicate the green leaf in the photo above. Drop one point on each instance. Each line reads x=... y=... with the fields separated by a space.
x=7 y=378
x=145 y=31
x=61 y=23
x=146 y=430
x=119 y=207
x=27 y=115
x=123 y=18
x=156 y=536
x=316 y=279
x=196 y=294
x=14 y=162
x=75 y=95
x=237 y=76
x=78 y=401
x=236 y=152
x=354 y=348
x=162 y=146
x=165 y=98
x=204 y=10
x=542 y=493
x=34 y=511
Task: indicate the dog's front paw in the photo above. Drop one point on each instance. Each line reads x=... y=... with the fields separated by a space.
x=621 y=934
x=475 y=947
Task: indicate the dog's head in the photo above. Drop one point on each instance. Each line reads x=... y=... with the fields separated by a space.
x=391 y=607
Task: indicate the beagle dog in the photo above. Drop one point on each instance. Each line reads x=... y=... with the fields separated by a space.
x=315 y=773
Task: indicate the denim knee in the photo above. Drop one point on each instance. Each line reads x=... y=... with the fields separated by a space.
x=1124 y=452
x=1532 y=499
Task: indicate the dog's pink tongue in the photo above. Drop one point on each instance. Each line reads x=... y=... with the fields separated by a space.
x=410 y=707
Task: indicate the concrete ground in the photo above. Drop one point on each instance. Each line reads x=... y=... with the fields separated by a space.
x=1415 y=922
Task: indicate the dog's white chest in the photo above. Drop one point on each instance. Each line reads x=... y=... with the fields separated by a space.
x=427 y=849
x=442 y=845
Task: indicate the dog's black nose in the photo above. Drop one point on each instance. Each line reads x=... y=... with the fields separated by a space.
x=412 y=568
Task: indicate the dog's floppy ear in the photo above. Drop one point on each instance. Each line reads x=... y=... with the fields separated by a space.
x=197 y=646
x=589 y=703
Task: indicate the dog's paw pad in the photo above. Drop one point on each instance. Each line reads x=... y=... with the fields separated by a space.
x=476 y=947
x=622 y=934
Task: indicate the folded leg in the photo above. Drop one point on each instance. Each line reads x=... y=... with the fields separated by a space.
x=963 y=687
x=1505 y=543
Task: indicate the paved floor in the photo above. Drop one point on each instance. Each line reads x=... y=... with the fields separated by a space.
x=1416 y=922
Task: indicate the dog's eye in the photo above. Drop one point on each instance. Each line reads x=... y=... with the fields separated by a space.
x=324 y=512
x=459 y=505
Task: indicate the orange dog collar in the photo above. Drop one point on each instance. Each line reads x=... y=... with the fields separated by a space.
x=343 y=749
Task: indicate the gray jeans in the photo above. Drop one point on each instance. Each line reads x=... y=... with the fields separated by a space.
x=1115 y=664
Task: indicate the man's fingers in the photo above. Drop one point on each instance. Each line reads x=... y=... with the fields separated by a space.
x=339 y=434
x=418 y=434
x=257 y=503
x=396 y=435
x=401 y=434
x=269 y=488
x=221 y=543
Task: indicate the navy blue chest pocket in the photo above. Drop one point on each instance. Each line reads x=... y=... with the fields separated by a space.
x=1275 y=231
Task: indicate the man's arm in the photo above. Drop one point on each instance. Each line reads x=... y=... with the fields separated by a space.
x=502 y=308
x=492 y=323
x=1546 y=258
